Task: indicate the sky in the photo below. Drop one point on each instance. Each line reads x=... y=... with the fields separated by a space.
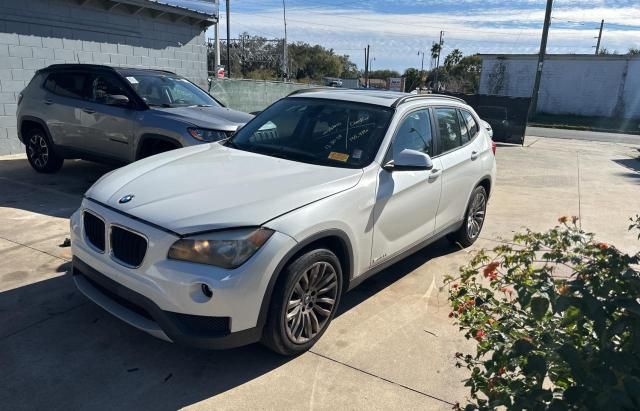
x=398 y=31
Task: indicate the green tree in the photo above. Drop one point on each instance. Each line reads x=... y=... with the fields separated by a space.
x=435 y=50
x=634 y=51
x=453 y=58
x=411 y=79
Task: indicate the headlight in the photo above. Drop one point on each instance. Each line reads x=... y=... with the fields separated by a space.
x=226 y=249
x=204 y=134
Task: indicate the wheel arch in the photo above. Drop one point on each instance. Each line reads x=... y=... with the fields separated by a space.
x=27 y=122
x=148 y=138
x=337 y=241
x=485 y=182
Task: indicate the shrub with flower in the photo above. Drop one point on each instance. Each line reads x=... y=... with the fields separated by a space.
x=556 y=317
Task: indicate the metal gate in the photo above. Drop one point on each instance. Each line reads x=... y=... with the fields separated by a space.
x=506 y=115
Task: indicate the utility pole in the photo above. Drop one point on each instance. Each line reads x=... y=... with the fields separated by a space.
x=435 y=81
x=228 y=68
x=285 y=57
x=599 y=37
x=421 y=70
x=366 y=67
x=217 y=41
x=533 y=104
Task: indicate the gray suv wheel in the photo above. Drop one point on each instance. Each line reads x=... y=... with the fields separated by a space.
x=40 y=152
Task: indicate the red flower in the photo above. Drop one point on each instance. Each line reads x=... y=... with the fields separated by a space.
x=563 y=219
x=451 y=314
x=454 y=286
x=490 y=269
x=602 y=246
x=479 y=335
x=501 y=371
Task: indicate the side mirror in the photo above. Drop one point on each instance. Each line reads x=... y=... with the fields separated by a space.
x=117 y=100
x=407 y=160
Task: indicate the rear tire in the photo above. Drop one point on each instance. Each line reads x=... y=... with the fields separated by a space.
x=41 y=153
x=304 y=302
x=473 y=219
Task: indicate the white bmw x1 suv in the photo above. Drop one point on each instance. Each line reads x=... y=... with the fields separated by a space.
x=256 y=238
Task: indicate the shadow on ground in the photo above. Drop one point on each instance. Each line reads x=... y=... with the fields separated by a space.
x=18 y=182
x=60 y=350
x=73 y=354
x=631 y=164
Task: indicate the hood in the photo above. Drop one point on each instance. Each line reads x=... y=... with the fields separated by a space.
x=216 y=118
x=211 y=186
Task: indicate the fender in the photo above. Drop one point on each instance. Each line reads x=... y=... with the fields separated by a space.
x=35 y=120
x=266 y=299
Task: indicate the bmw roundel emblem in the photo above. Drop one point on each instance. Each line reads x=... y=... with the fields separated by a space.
x=126 y=199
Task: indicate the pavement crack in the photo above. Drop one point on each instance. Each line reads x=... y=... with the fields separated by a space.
x=34 y=249
x=382 y=378
x=579 y=192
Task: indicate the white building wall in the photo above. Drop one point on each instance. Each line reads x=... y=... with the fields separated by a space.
x=37 y=33
x=581 y=85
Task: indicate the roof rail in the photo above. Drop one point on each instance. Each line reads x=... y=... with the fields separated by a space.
x=405 y=99
x=311 y=89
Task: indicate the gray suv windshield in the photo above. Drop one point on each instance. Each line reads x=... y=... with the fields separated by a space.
x=169 y=91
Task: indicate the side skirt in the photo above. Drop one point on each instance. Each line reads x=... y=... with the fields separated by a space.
x=403 y=254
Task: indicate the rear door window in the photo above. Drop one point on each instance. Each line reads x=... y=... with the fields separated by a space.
x=70 y=84
x=449 y=128
x=469 y=123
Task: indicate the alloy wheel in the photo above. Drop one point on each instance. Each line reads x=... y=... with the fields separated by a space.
x=38 y=150
x=311 y=302
x=475 y=218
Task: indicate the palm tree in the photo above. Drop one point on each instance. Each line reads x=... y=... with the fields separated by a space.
x=453 y=58
x=435 y=50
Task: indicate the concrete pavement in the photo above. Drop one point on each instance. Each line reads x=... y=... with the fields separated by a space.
x=390 y=347
x=584 y=135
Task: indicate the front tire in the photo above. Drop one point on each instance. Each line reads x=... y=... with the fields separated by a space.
x=40 y=152
x=473 y=219
x=304 y=302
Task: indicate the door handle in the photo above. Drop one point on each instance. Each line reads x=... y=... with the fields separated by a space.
x=48 y=101
x=88 y=110
x=474 y=155
x=435 y=173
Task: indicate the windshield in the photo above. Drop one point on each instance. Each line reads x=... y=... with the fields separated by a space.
x=326 y=132
x=169 y=91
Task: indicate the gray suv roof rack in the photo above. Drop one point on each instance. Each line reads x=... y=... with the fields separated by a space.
x=405 y=99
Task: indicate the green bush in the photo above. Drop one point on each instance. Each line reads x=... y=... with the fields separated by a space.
x=556 y=316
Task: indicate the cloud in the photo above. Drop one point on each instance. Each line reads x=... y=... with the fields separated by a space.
x=473 y=26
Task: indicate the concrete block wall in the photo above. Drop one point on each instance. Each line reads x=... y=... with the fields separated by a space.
x=607 y=86
x=37 y=33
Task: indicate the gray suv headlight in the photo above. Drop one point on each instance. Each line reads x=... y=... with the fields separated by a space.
x=226 y=249
x=204 y=134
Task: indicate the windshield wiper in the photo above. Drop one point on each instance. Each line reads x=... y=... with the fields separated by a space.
x=160 y=105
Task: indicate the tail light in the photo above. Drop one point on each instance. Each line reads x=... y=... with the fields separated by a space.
x=493 y=147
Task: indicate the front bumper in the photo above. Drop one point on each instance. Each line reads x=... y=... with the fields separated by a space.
x=163 y=297
x=142 y=313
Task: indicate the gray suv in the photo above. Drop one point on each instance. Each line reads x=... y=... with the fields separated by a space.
x=117 y=115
